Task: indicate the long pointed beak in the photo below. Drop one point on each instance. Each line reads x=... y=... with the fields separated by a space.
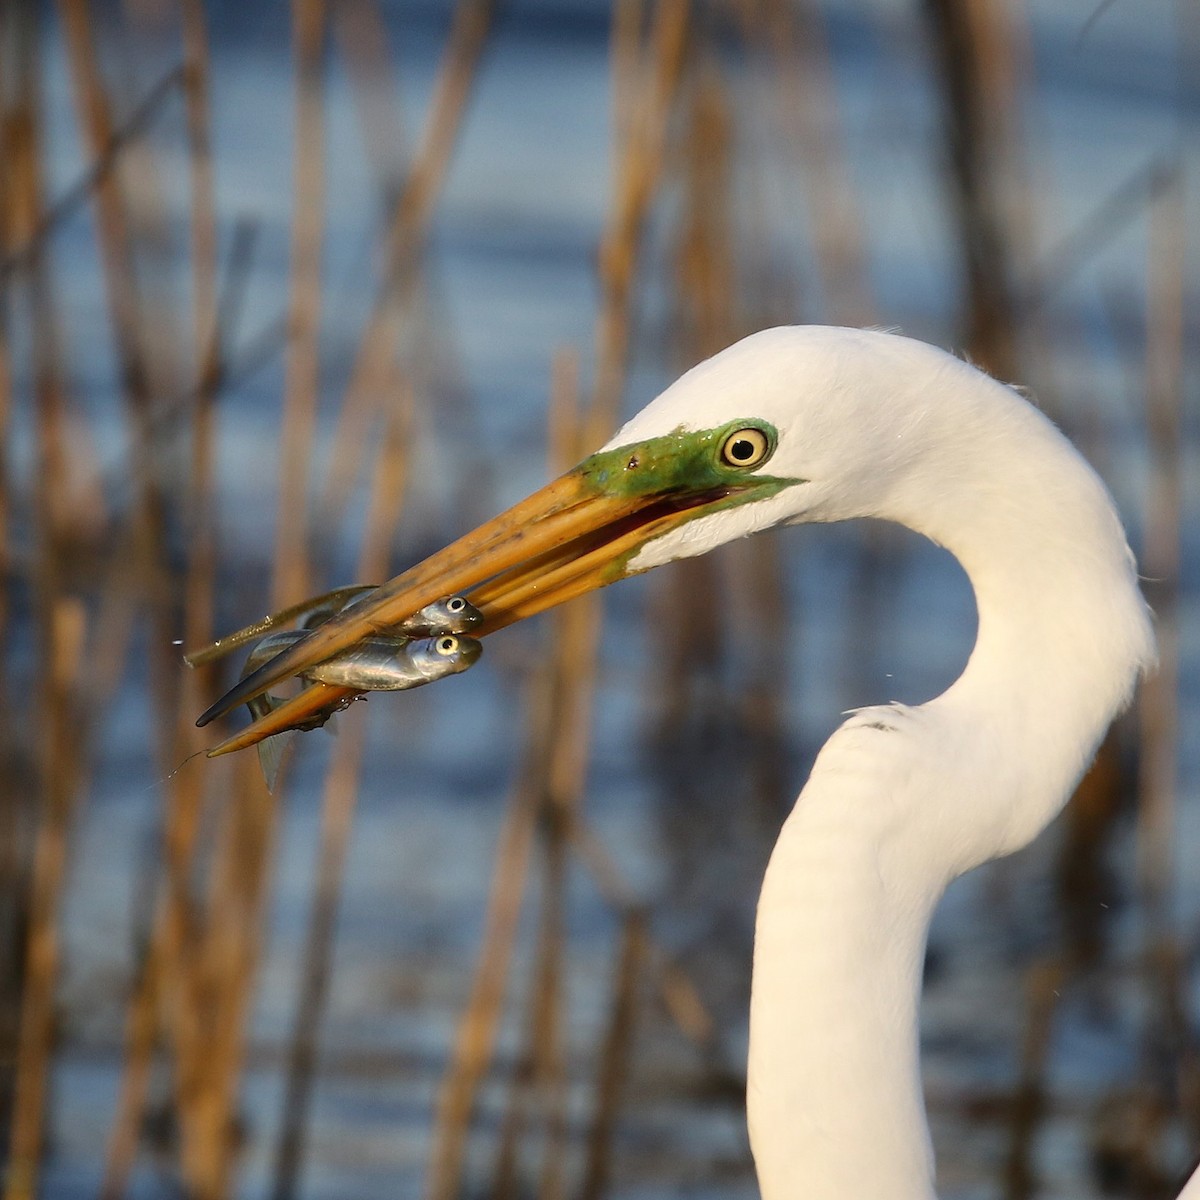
x=576 y=534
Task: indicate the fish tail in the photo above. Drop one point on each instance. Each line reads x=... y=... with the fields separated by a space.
x=270 y=755
x=271 y=750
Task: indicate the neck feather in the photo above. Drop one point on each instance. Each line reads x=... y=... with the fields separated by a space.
x=902 y=800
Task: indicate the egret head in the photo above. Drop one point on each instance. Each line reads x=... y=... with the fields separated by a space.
x=825 y=403
x=782 y=427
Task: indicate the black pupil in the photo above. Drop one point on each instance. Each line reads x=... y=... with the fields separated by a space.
x=447 y=644
x=455 y=605
x=742 y=449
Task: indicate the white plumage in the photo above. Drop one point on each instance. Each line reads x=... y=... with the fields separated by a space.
x=902 y=799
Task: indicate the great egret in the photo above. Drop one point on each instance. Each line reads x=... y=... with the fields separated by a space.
x=819 y=424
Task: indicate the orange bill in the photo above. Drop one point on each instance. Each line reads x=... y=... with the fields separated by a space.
x=578 y=533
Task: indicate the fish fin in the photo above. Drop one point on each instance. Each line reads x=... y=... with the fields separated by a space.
x=270 y=755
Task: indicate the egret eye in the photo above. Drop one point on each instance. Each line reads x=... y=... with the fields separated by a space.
x=745 y=448
x=446 y=645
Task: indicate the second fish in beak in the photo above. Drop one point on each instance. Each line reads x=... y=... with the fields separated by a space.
x=376 y=664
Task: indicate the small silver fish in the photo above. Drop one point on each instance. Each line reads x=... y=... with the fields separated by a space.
x=451 y=614
x=378 y=664
x=388 y=664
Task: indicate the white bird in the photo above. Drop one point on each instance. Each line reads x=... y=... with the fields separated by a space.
x=818 y=424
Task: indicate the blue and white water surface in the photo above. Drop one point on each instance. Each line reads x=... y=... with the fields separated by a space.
x=512 y=279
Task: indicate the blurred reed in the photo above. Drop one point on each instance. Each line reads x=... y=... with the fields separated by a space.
x=337 y=814
x=101 y=580
x=391 y=323
x=293 y=577
x=1169 y=1051
x=41 y=826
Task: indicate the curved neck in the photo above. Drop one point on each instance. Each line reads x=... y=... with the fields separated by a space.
x=834 y=1092
x=902 y=800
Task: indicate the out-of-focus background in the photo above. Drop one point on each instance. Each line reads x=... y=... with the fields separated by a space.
x=290 y=295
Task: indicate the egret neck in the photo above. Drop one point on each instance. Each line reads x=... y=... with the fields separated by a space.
x=902 y=800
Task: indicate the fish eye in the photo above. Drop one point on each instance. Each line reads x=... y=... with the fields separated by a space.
x=456 y=604
x=745 y=448
x=446 y=645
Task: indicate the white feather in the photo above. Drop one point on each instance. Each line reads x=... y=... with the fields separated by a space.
x=900 y=800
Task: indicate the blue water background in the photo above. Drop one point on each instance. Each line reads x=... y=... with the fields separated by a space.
x=511 y=270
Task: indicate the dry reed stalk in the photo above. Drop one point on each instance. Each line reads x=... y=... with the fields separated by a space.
x=206 y=331
x=63 y=631
x=16 y=227
x=1044 y=985
x=625 y=52
x=552 y=783
x=1082 y=875
x=108 y=644
x=172 y=987
x=60 y=630
x=505 y=1182
x=372 y=375
x=966 y=52
x=6 y=554
x=574 y=640
x=142 y=332
x=94 y=116
x=694 y=625
x=68 y=737
x=13 y=809
x=362 y=36
x=174 y=961
x=1170 y=1043
x=691 y=623
x=141 y=1030
x=18 y=251
x=577 y=636
x=226 y=960
x=614 y=1057
x=176 y=986
x=1161 y=550
x=646 y=81
x=540 y=1075
x=184 y=791
x=678 y=993
x=794 y=38
x=720 y=609
x=477 y=1026
x=552 y=779
x=705 y=276
x=706 y=286
x=177 y=965
x=640 y=160
x=337 y=815
x=292 y=574
x=212 y=948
